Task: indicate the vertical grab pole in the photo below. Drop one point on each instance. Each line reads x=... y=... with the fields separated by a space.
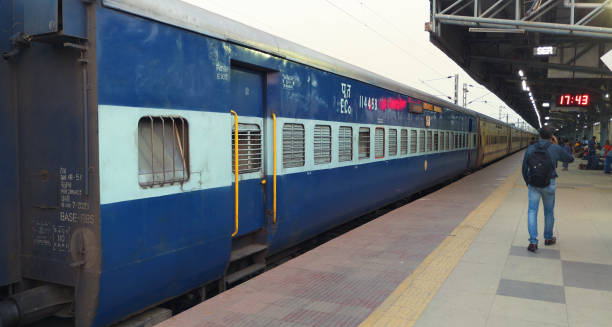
x=274 y=167
x=235 y=170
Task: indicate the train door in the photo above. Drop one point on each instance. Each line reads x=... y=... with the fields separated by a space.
x=247 y=100
x=249 y=241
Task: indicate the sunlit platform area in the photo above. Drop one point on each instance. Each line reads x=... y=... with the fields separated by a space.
x=456 y=257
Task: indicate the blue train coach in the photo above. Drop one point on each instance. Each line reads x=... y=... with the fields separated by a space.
x=152 y=148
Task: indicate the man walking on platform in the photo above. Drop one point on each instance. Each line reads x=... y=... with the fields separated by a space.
x=539 y=174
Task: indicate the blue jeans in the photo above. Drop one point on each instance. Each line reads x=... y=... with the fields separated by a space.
x=548 y=200
x=607 y=164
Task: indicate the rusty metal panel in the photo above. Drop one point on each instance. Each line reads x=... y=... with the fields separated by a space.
x=9 y=201
x=54 y=203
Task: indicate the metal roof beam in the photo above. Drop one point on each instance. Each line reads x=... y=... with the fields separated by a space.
x=469 y=3
x=540 y=11
x=499 y=2
x=451 y=7
x=581 y=69
x=594 y=13
x=550 y=28
x=500 y=9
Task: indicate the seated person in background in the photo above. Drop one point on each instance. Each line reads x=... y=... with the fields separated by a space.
x=607 y=148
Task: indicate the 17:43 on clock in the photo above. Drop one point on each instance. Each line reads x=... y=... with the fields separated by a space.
x=574 y=100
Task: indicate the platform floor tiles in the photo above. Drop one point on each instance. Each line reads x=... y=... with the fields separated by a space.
x=499 y=283
x=456 y=257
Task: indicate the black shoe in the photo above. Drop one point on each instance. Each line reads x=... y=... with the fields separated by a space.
x=532 y=247
x=551 y=241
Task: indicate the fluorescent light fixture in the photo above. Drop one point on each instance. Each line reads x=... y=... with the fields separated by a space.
x=578 y=115
x=607 y=95
x=520 y=72
x=524 y=84
x=546 y=124
x=496 y=30
x=546 y=104
x=546 y=118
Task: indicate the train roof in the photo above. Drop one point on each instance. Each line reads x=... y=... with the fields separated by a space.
x=180 y=14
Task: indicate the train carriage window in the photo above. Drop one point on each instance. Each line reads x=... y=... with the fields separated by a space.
x=473 y=140
x=404 y=142
x=392 y=142
x=442 y=141
x=322 y=144
x=413 y=141
x=163 y=151
x=422 y=141
x=293 y=145
x=436 y=141
x=364 y=143
x=449 y=146
x=379 y=142
x=345 y=144
x=249 y=148
x=456 y=141
x=429 y=140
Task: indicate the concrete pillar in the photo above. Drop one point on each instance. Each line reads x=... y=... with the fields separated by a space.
x=605 y=129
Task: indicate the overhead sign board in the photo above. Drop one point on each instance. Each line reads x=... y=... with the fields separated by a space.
x=607 y=59
x=567 y=109
x=545 y=51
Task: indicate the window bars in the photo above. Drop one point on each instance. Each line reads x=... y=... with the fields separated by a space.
x=293 y=145
x=249 y=148
x=345 y=144
x=364 y=143
x=322 y=144
x=163 y=152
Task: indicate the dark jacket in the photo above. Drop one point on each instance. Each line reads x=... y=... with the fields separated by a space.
x=556 y=153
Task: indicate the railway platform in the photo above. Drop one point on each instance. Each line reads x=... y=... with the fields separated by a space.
x=456 y=257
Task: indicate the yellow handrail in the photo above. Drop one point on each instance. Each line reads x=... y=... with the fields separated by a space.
x=235 y=169
x=274 y=165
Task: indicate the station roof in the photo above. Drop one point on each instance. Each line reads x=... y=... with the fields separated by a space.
x=555 y=44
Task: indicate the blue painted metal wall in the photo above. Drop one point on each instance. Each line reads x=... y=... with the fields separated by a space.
x=150 y=257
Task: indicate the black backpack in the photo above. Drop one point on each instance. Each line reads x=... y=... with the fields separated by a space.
x=539 y=166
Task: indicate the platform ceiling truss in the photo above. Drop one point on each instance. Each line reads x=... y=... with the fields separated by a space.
x=494 y=39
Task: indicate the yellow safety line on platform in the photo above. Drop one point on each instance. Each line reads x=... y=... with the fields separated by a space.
x=406 y=304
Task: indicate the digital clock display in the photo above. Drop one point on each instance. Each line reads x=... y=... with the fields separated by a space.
x=574 y=100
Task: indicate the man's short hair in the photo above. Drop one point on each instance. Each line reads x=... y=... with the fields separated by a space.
x=546 y=132
x=594 y=137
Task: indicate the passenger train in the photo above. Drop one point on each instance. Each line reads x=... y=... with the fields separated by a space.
x=152 y=148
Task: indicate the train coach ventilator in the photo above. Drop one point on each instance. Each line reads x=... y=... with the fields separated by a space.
x=34 y=304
